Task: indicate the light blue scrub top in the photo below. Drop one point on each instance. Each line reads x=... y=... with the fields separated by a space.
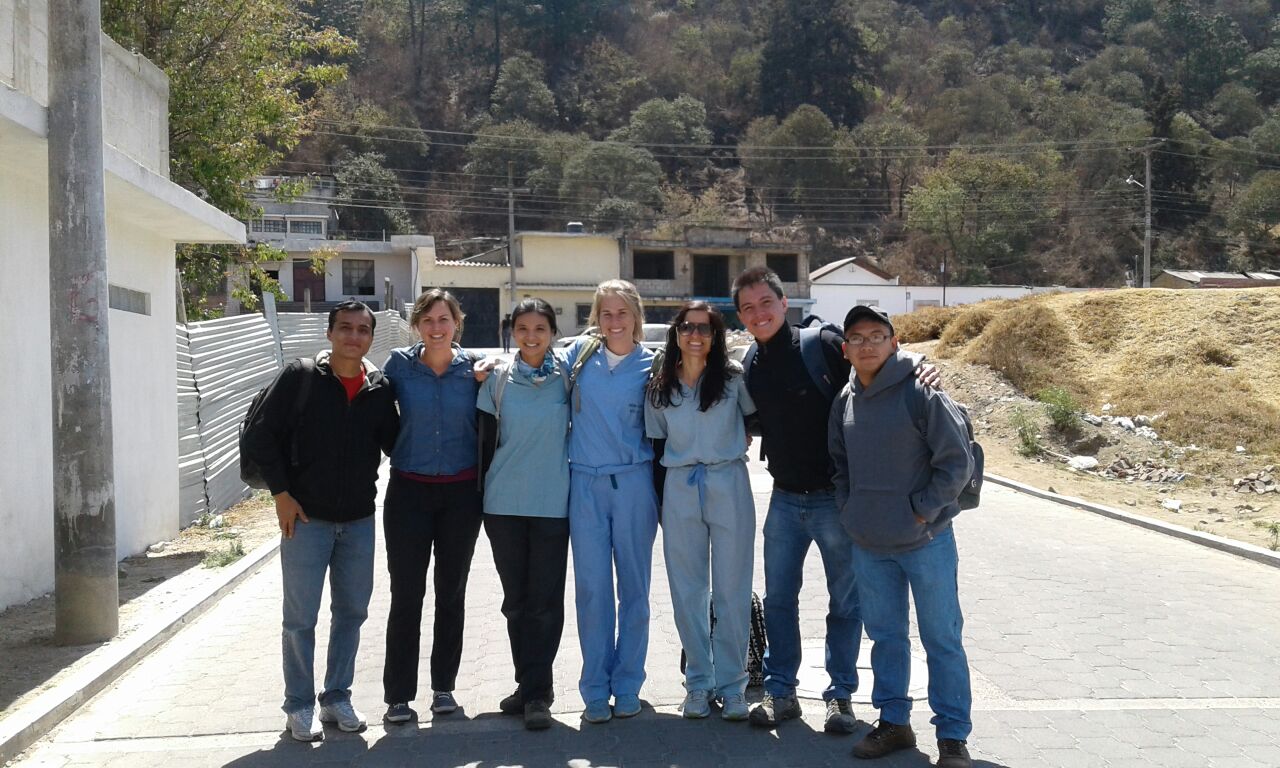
x=608 y=412
x=696 y=437
x=529 y=475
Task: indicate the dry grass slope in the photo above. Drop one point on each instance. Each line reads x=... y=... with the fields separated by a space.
x=1209 y=360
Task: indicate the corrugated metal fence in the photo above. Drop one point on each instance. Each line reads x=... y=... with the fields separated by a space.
x=221 y=366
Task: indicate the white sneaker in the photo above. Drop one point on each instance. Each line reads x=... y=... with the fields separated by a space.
x=697 y=704
x=304 y=726
x=733 y=707
x=342 y=713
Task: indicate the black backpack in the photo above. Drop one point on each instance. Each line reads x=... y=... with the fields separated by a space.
x=756 y=644
x=250 y=472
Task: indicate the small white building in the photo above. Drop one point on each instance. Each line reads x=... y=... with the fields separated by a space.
x=847 y=283
x=146 y=215
x=325 y=260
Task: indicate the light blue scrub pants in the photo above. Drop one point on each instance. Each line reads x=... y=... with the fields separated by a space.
x=709 y=528
x=613 y=520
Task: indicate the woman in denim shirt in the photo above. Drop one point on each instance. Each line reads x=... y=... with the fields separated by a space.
x=433 y=501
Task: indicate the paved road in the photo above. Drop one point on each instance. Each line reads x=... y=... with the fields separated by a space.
x=1093 y=643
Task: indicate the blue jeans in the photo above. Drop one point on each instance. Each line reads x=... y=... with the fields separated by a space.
x=930 y=573
x=794 y=521
x=345 y=552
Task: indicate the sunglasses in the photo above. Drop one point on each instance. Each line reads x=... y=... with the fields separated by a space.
x=687 y=328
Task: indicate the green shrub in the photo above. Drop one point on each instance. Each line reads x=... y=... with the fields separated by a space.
x=1028 y=432
x=1063 y=409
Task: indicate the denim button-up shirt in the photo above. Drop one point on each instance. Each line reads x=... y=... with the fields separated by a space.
x=437 y=413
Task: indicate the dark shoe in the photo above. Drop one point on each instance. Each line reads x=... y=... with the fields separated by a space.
x=537 y=715
x=840 y=717
x=399 y=713
x=512 y=705
x=952 y=753
x=443 y=703
x=885 y=739
x=773 y=710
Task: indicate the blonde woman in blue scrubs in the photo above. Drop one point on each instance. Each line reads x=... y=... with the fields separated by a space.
x=613 y=508
x=697 y=402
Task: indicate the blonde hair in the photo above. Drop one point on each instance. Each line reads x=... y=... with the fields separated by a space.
x=628 y=293
x=429 y=299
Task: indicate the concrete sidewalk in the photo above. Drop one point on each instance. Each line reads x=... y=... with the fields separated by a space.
x=1092 y=643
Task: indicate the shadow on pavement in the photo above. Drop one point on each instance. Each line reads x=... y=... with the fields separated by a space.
x=650 y=740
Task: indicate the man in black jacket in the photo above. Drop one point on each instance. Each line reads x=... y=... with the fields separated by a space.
x=320 y=460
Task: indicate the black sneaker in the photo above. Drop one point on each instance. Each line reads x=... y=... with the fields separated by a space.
x=399 y=713
x=443 y=703
x=512 y=705
x=537 y=715
x=773 y=710
x=953 y=753
x=885 y=739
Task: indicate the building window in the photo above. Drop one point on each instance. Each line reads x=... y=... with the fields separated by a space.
x=654 y=265
x=583 y=315
x=128 y=300
x=787 y=265
x=357 y=277
x=269 y=225
x=306 y=227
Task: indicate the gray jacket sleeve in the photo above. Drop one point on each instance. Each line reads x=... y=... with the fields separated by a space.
x=951 y=462
x=836 y=447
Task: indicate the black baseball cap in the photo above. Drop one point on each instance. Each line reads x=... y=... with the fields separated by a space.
x=864 y=312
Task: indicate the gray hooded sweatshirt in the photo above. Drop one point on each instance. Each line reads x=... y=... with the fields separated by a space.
x=901 y=451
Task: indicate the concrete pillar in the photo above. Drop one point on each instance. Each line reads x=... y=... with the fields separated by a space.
x=85 y=588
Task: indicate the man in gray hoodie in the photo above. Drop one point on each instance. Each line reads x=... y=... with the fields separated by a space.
x=901 y=456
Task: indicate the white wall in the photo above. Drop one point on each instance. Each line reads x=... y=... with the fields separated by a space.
x=26 y=416
x=831 y=302
x=144 y=401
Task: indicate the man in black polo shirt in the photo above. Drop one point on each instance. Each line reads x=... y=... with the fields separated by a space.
x=319 y=443
x=793 y=398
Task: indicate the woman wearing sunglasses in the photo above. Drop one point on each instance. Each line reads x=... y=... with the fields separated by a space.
x=697 y=402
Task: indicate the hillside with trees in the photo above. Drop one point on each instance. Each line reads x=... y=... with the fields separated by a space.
x=995 y=135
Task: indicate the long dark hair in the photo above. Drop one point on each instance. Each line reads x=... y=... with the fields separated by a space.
x=538 y=307
x=666 y=382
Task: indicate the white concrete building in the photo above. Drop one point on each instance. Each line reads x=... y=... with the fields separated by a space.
x=146 y=215
x=846 y=283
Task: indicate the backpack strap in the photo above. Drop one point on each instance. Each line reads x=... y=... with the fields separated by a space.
x=588 y=350
x=815 y=362
x=502 y=374
x=747 y=360
x=300 y=403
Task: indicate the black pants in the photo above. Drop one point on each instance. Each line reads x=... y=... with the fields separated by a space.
x=531 y=554
x=418 y=516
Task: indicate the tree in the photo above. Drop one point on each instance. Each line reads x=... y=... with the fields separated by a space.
x=600 y=171
x=242 y=78
x=813 y=54
x=605 y=91
x=369 y=202
x=1256 y=217
x=987 y=209
x=521 y=93
x=1235 y=110
x=1176 y=167
x=496 y=145
x=794 y=163
x=890 y=150
x=676 y=123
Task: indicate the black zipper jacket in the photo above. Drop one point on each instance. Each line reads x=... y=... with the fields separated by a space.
x=339 y=444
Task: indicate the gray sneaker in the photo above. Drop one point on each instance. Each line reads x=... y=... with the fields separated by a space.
x=772 y=710
x=304 y=726
x=733 y=707
x=344 y=715
x=697 y=704
x=840 y=717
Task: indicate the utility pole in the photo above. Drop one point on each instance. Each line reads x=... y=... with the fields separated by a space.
x=86 y=590
x=1146 y=238
x=511 y=191
x=944 y=278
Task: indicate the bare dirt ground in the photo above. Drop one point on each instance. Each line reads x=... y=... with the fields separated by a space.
x=149 y=583
x=1199 y=482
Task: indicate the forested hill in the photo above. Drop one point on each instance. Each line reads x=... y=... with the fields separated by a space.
x=1000 y=134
